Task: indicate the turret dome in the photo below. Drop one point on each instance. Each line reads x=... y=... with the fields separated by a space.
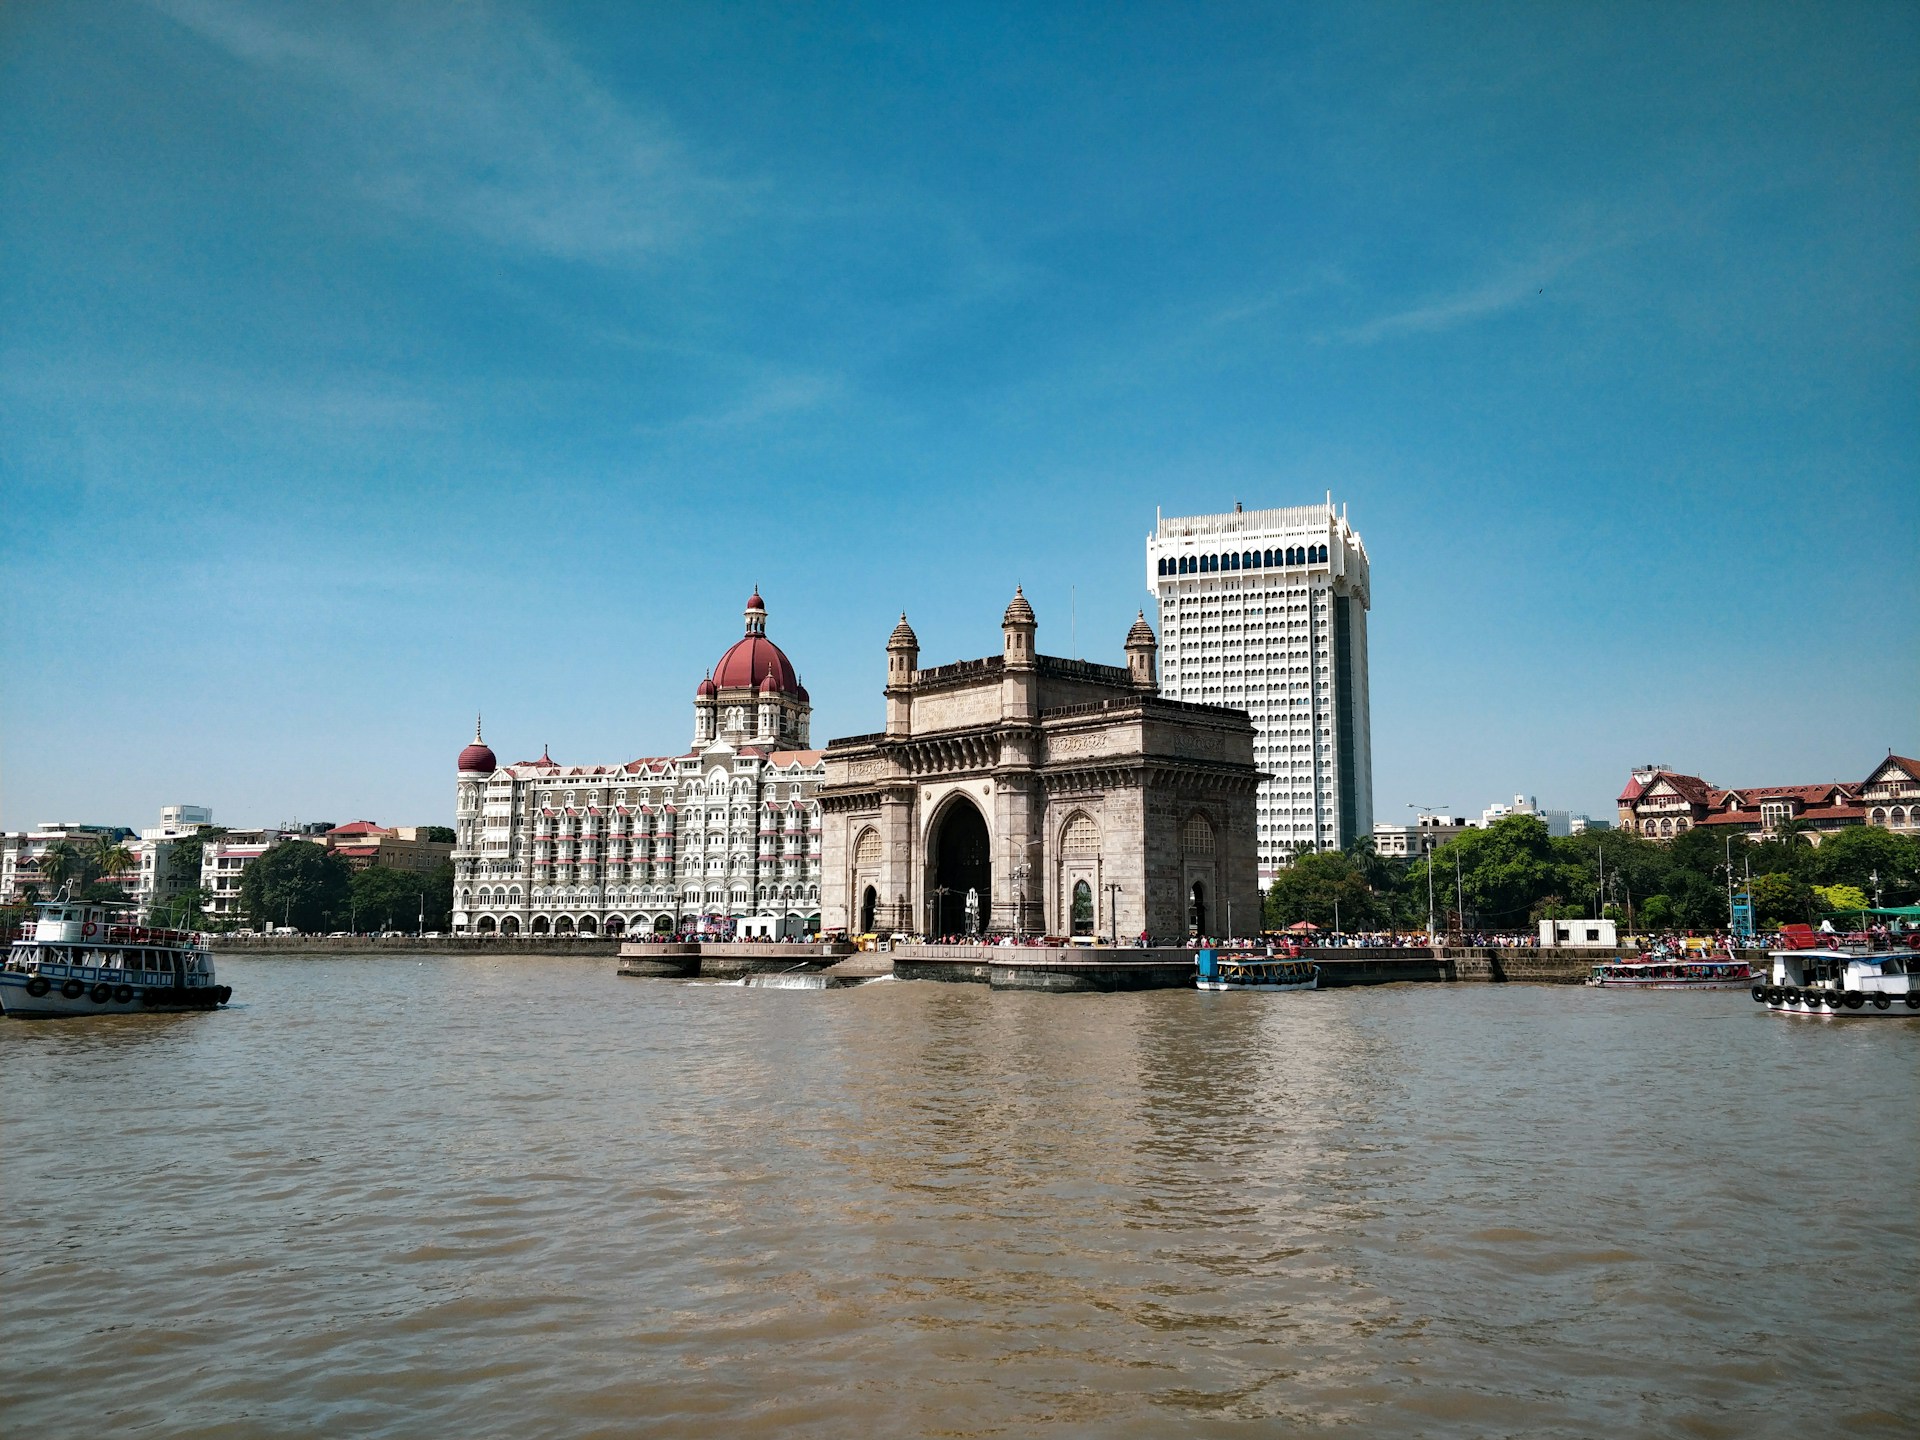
x=477 y=759
x=1019 y=612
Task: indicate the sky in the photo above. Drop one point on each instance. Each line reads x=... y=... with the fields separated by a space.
x=365 y=367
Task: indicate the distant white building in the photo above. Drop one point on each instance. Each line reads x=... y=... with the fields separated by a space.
x=1421 y=838
x=169 y=856
x=1558 y=822
x=21 y=851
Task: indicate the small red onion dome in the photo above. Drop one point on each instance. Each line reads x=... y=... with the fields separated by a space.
x=769 y=686
x=706 y=689
x=477 y=759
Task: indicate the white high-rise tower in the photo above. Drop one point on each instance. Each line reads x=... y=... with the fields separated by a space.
x=1266 y=611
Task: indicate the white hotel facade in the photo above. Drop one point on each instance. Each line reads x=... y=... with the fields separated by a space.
x=723 y=839
x=1266 y=611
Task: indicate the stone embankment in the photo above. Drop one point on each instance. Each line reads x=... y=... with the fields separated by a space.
x=596 y=946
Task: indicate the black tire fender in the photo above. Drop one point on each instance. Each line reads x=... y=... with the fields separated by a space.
x=39 y=986
x=1883 y=1002
x=1759 y=993
x=1855 y=1000
x=102 y=993
x=122 y=994
x=1913 y=1000
x=73 y=989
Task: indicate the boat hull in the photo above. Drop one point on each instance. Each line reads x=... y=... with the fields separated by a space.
x=1738 y=984
x=1312 y=984
x=1896 y=1009
x=18 y=1000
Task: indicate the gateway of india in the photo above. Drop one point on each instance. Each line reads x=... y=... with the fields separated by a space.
x=1031 y=795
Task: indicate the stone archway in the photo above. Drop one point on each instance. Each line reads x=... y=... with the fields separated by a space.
x=869 y=904
x=486 y=925
x=663 y=925
x=1197 y=908
x=960 y=859
x=540 y=926
x=563 y=925
x=587 y=925
x=509 y=926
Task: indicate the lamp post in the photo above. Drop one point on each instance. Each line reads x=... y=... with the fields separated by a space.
x=1427 y=850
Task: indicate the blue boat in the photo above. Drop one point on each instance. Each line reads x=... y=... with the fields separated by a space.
x=1252 y=971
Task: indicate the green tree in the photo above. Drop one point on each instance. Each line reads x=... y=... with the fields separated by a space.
x=1325 y=887
x=1841 y=898
x=1871 y=859
x=61 y=863
x=109 y=857
x=189 y=855
x=296 y=883
x=443 y=834
x=1508 y=871
x=1780 y=899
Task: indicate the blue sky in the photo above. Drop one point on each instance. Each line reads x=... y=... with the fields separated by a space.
x=362 y=367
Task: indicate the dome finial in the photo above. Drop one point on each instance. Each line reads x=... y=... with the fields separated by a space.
x=476 y=728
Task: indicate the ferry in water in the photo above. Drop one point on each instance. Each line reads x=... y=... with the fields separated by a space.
x=90 y=959
x=1858 y=978
x=1255 y=972
x=1662 y=973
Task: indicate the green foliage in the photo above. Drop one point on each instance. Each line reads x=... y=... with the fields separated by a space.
x=296 y=883
x=1840 y=897
x=1780 y=899
x=1854 y=856
x=187 y=856
x=383 y=898
x=1661 y=912
x=1508 y=871
x=441 y=833
x=62 y=863
x=1318 y=884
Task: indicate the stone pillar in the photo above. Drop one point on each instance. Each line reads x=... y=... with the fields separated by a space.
x=1018 y=815
x=902 y=865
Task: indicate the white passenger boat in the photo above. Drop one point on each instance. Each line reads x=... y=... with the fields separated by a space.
x=1651 y=973
x=1254 y=972
x=85 y=959
x=1843 y=981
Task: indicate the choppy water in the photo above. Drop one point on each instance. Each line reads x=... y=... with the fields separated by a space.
x=526 y=1198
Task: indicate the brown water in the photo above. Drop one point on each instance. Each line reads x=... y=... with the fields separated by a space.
x=465 y=1197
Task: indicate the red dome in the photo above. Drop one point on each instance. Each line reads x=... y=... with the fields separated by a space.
x=706 y=689
x=477 y=758
x=753 y=660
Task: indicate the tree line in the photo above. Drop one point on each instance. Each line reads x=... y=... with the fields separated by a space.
x=1513 y=874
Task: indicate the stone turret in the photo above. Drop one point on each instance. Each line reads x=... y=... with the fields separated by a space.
x=903 y=658
x=1142 y=650
x=1019 y=692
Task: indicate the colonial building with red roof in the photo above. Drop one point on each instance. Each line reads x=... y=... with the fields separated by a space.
x=1660 y=803
x=722 y=839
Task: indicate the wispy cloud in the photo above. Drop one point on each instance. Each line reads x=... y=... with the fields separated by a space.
x=471 y=117
x=1511 y=287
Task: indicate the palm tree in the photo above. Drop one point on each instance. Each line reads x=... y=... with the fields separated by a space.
x=61 y=863
x=110 y=857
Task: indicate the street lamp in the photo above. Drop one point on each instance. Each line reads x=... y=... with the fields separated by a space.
x=1427 y=850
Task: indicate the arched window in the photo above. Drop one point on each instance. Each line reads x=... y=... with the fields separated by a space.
x=1323 y=554
x=1251 y=559
x=866 y=850
x=1269 y=557
x=1233 y=562
x=1082 y=908
x=1197 y=837
x=1879 y=817
x=1081 y=837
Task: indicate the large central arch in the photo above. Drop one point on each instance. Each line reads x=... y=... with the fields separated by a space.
x=960 y=859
